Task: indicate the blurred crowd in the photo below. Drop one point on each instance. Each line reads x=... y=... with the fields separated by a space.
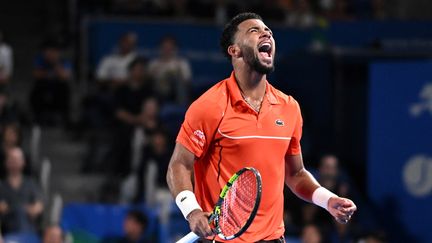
x=125 y=119
x=300 y=13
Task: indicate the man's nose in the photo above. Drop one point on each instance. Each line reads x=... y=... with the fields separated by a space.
x=265 y=34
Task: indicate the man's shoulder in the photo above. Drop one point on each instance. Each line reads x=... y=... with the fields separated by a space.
x=283 y=98
x=212 y=102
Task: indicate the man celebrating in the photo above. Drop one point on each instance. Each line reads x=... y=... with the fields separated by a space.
x=244 y=121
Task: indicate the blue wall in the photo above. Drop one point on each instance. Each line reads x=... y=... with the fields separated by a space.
x=400 y=146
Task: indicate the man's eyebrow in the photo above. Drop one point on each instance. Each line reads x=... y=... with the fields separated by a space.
x=257 y=28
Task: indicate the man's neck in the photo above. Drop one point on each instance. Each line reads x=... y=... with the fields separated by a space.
x=251 y=83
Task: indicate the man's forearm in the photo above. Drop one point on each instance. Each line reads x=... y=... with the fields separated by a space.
x=303 y=184
x=179 y=178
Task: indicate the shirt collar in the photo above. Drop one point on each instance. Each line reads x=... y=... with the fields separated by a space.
x=236 y=96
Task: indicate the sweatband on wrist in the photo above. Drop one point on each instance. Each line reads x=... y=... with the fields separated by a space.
x=321 y=197
x=186 y=201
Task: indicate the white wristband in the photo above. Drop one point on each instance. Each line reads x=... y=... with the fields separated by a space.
x=321 y=196
x=186 y=201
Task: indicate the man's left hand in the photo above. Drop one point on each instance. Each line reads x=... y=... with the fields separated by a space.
x=341 y=209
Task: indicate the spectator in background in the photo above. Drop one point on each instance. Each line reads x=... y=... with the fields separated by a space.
x=50 y=95
x=129 y=99
x=142 y=137
x=171 y=73
x=302 y=15
x=150 y=115
x=330 y=176
x=8 y=109
x=311 y=234
x=10 y=138
x=113 y=69
x=157 y=151
x=53 y=234
x=135 y=226
x=6 y=61
x=112 y=72
x=20 y=198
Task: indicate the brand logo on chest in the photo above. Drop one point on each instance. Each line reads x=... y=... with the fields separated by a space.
x=279 y=123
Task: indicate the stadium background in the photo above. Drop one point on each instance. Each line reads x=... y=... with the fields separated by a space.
x=360 y=70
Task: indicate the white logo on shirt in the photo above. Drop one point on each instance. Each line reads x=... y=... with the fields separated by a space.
x=198 y=137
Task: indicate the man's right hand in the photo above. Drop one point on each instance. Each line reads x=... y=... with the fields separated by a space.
x=198 y=223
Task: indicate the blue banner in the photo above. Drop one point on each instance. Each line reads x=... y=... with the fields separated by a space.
x=400 y=146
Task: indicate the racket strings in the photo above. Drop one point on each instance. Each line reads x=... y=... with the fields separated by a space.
x=238 y=204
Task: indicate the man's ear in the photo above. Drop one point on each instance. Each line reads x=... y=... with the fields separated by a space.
x=234 y=51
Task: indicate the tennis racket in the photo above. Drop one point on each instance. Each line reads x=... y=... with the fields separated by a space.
x=236 y=207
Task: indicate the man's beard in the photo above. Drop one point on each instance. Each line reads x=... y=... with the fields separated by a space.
x=254 y=62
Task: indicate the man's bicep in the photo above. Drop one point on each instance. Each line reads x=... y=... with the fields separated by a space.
x=180 y=170
x=294 y=146
x=182 y=156
x=293 y=165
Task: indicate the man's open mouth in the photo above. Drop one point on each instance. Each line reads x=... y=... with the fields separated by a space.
x=265 y=49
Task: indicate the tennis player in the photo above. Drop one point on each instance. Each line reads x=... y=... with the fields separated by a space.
x=244 y=121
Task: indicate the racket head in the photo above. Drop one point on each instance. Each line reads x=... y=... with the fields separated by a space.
x=238 y=204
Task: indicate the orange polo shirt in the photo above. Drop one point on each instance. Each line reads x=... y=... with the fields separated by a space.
x=226 y=134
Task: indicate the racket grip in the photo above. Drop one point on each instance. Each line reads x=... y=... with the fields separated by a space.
x=189 y=238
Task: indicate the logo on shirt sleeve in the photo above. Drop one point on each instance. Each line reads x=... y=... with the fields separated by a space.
x=198 y=137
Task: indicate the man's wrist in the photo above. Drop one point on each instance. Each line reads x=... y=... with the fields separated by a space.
x=186 y=202
x=321 y=197
x=195 y=211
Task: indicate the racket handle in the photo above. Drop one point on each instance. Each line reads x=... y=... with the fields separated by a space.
x=189 y=238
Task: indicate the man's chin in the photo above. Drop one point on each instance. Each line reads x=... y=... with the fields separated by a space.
x=264 y=67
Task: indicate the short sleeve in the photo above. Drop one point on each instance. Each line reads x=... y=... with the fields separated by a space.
x=200 y=124
x=294 y=147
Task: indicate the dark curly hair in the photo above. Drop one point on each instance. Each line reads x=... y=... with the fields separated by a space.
x=227 y=37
